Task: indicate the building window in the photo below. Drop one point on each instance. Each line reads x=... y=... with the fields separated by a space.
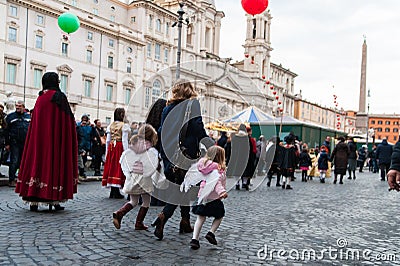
x=158 y=25
x=379 y=129
x=149 y=50
x=89 y=56
x=12 y=34
x=129 y=67
x=128 y=93
x=11 y=73
x=111 y=43
x=73 y=2
x=387 y=122
x=112 y=18
x=395 y=130
x=150 y=21
x=395 y=122
x=108 y=120
x=64 y=83
x=37 y=78
x=39 y=42
x=90 y=36
x=64 y=49
x=379 y=122
x=372 y=122
x=157 y=55
x=40 y=19
x=88 y=87
x=95 y=11
x=166 y=55
x=147 y=98
x=109 y=93
x=189 y=35
x=110 y=62
x=13 y=11
x=133 y=19
x=156 y=91
x=167 y=28
x=387 y=129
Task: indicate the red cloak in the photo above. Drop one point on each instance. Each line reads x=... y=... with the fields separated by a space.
x=49 y=166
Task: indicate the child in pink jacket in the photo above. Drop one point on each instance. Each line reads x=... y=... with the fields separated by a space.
x=212 y=190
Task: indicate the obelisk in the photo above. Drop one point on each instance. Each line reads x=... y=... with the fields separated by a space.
x=361 y=119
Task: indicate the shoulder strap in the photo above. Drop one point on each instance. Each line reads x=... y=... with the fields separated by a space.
x=186 y=118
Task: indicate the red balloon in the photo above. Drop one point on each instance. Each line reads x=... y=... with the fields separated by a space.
x=267 y=82
x=274 y=92
x=281 y=109
x=277 y=97
x=279 y=102
x=254 y=7
x=272 y=87
x=246 y=55
x=252 y=62
x=263 y=76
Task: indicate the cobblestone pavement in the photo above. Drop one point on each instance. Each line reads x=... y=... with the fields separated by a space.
x=338 y=222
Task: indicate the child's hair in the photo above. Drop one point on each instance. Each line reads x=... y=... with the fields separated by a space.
x=148 y=132
x=312 y=151
x=324 y=148
x=134 y=139
x=305 y=148
x=216 y=154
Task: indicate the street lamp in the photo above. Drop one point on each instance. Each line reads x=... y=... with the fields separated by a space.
x=179 y=23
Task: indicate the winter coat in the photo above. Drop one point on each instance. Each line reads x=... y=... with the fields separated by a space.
x=17 y=128
x=139 y=163
x=362 y=155
x=206 y=169
x=384 y=152
x=170 y=130
x=353 y=150
x=395 y=161
x=304 y=159
x=323 y=160
x=290 y=157
x=340 y=155
x=238 y=150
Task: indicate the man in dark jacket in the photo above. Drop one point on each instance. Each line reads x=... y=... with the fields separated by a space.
x=383 y=155
x=17 y=128
x=394 y=171
x=222 y=140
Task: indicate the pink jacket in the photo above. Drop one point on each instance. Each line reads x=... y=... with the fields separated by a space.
x=206 y=169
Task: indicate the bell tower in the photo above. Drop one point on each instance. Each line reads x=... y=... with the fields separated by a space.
x=258 y=45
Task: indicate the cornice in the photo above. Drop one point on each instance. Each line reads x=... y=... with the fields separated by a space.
x=42 y=8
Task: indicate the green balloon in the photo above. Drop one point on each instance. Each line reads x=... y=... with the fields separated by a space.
x=68 y=22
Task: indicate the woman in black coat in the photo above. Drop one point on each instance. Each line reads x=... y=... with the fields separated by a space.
x=339 y=158
x=175 y=131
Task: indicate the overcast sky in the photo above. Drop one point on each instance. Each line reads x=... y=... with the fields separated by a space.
x=321 y=41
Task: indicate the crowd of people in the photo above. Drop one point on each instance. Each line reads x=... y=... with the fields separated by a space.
x=48 y=152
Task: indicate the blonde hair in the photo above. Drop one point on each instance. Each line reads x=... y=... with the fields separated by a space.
x=134 y=139
x=148 y=133
x=182 y=90
x=216 y=154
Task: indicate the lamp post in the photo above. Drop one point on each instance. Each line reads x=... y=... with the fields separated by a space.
x=179 y=23
x=367 y=132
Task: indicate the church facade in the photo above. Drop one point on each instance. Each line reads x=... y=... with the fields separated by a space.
x=124 y=55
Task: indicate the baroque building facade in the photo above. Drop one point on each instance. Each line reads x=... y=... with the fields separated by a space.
x=124 y=54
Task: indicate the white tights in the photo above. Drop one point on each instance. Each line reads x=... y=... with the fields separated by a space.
x=199 y=224
x=145 y=198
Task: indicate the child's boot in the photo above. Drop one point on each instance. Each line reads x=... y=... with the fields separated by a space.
x=140 y=218
x=117 y=216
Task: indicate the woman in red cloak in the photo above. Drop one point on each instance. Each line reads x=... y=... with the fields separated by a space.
x=116 y=143
x=48 y=173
